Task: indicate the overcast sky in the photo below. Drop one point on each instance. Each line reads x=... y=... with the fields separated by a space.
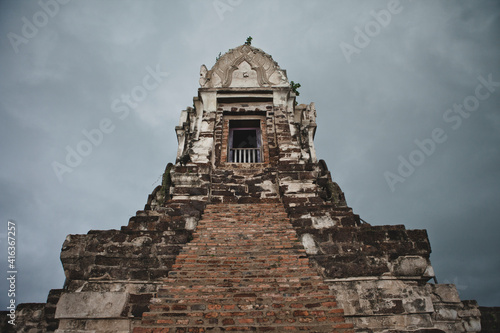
x=388 y=81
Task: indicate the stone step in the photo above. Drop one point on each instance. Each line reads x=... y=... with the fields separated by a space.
x=244 y=245
x=250 y=238
x=228 y=226
x=218 y=229
x=258 y=290
x=243 y=233
x=229 y=274
x=272 y=316
x=279 y=219
x=208 y=261
x=190 y=257
x=239 y=208
x=311 y=277
x=232 y=274
x=325 y=320
x=297 y=248
x=232 y=281
x=240 y=264
x=236 y=213
x=210 y=251
x=227 y=327
x=235 y=207
x=226 y=252
x=176 y=292
x=278 y=271
x=244 y=304
x=262 y=244
x=250 y=225
x=230 y=256
x=257 y=269
x=249 y=220
x=276 y=301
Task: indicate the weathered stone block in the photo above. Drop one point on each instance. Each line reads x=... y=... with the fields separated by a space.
x=94 y=326
x=410 y=266
x=443 y=293
x=91 y=305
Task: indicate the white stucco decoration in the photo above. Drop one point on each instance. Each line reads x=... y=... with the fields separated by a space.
x=321 y=222
x=191 y=223
x=309 y=244
x=244 y=66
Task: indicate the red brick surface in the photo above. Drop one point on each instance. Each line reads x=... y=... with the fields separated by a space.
x=244 y=271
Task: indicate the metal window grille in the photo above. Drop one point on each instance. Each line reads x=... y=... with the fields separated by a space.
x=246 y=155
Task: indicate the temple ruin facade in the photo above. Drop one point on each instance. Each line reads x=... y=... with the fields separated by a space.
x=249 y=232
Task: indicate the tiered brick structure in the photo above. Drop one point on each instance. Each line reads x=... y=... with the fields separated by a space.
x=249 y=232
x=244 y=271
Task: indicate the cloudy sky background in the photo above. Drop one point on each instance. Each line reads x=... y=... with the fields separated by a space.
x=394 y=91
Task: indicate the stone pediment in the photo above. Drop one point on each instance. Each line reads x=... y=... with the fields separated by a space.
x=244 y=66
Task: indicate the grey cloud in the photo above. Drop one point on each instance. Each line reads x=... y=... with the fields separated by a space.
x=370 y=111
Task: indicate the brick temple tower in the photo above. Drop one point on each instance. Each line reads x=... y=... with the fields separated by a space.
x=248 y=232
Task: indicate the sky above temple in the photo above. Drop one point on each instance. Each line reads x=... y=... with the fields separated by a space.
x=407 y=96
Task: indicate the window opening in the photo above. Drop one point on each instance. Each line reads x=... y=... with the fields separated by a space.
x=244 y=142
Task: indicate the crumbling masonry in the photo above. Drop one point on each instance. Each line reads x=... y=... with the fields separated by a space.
x=248 y=232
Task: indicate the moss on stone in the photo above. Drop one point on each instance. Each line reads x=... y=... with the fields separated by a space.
x=166 y=183
x=332 y=192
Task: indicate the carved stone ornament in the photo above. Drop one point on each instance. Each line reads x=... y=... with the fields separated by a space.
x=203 y=75
x=244 y=66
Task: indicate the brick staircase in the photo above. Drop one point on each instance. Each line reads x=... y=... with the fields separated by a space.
x=244 y=271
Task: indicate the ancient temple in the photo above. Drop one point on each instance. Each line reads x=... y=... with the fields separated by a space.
x=248 y=232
